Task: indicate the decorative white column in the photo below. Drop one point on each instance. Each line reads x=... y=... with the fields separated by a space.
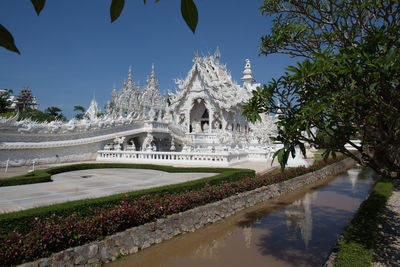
x=187 y=117
x=210 y=119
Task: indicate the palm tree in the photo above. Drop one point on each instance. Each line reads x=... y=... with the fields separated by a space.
x=79 y=116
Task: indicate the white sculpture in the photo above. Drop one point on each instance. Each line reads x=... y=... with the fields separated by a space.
x=118 y=141
x=261 y=131
x=172 y=147
x=147 y=143
x=93 y=111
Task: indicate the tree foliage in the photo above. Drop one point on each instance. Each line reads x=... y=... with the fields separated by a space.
x=55 y=113
x=347 y=87
x=81 y=111
x=188 y=11
x=5 y=100
x=304 y=27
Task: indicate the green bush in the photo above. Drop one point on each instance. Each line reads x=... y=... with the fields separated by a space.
x=357 y=247
x=21 y=220
x=39 y=176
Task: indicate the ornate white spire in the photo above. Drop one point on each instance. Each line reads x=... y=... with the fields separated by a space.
x=152 y=75
x=151 y=97
x=247 y=73
x=247 y=78
x=130 y=75
x=92 y=111
x=114 y=92
x=217 y=54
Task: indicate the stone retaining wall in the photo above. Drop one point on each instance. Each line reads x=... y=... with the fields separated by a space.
x=137 y=238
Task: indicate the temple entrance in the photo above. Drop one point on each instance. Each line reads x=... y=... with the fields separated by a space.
x=199 y=117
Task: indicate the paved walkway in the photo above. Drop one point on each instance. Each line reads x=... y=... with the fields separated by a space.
x=387 y=252
x=94 y=183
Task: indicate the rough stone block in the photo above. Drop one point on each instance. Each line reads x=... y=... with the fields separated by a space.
x=93 y=261
x=92 y=251
x=105 y=253
x=45 y=262
x=133 y=250
x=80 y=260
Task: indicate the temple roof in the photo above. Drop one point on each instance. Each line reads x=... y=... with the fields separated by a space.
x=93 y=110
x=215 y=79
x=128 y=97
x=151 y=96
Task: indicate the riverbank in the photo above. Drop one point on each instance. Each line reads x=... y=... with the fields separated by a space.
x=387 y=247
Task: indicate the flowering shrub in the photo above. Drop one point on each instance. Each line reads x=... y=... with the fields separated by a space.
x=59 y=232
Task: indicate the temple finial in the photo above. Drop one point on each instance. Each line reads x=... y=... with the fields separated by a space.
x=130 y=74
x=247 y=78
x=114 y=92
x=217 y=53
x=152 y=76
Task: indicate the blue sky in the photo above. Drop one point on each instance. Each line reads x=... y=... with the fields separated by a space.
x=72 y=51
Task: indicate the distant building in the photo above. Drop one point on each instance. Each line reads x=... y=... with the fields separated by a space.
x=25 y=99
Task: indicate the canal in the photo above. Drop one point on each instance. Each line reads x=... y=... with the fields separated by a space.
x=298 y=229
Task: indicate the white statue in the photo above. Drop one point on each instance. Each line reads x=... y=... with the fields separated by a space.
x=172 y=147
x=197 y=127
x=205 y=127
x=118 y=141
x=147 y=142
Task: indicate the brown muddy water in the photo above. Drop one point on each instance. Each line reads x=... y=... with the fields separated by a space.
x=298 y=229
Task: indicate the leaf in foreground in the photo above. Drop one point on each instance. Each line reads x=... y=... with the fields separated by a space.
x=189 y=14
x=116 y=9
x=7 y=40
x=38 y=5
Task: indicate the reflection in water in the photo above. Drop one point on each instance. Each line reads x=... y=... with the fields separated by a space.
x=207 y=250
x=353 y=174
x=298 y=229
x=247 y=232
x=299 y=215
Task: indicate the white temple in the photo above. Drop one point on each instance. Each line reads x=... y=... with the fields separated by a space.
x=200 y=124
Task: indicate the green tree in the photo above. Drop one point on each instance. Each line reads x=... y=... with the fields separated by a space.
x=5 y=100
x=35 y=115
x=188 y=11
x=348 y=85
x=55 y=113
x=81 y=109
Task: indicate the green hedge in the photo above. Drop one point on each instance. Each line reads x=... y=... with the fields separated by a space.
x=39 y=176
x=357 y=247
x=21 y=220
